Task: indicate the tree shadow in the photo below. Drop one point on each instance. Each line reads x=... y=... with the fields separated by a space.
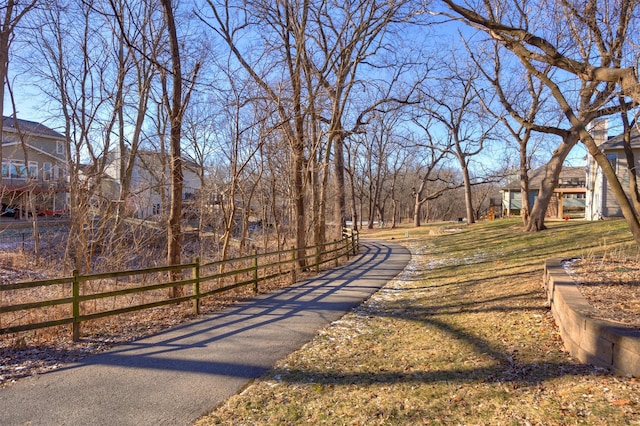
x=256 y=332
x=506 y=368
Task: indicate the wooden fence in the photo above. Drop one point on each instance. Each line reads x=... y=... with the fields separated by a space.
x=72 y=300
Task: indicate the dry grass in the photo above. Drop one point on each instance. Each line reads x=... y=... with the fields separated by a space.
x=462 y=336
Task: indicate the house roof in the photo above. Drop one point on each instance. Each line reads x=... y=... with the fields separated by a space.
x=10 y=124
x=150 y=158
x=617 y=142
x=569 y=176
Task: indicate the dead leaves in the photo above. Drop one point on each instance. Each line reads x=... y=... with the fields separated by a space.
x=621 y=402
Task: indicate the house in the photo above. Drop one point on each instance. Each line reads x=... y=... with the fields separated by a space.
x=569 y=195
x=601 y=203
x=151 y=182
x=34 y=164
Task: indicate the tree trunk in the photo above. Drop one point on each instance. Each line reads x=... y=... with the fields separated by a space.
x=549 y=182
x=298 y=201
x=317 y=189
x=319 y=193
x=524 y=187
x=229 y=215
x=338 y=161
x=354 y=205
x=394 y=213
x=380 y=214
x=417 y=207
x=467 y=193
x=371 y=201
x=614 y=184
x=4 y=65
x=174 y=244
x=633 y=178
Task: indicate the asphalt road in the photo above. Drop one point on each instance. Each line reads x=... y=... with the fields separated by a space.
x=176 y=376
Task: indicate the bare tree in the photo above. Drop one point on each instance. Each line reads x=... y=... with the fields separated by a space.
x=313 y=55
x=522 y=99
x=240 y=149
x=352 y=150
x=175 y=110
x=379 y=142
x=28 y=207
x=350 y=36
x=431 y=179
x=398 y=159
x=283 y=27
x=175 y=106
x=10 y=16
x=139 y=39
x=591 y=48
x=454 y=104
x=76 y=85
x=200 y=127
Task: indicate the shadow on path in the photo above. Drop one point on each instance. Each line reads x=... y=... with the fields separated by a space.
x=175 y=376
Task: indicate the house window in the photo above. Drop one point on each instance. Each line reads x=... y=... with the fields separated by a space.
x=5 y=169
x=46 y=171
x=612 y=157
x=18 y=170
x=60 y=147
x=33 y=169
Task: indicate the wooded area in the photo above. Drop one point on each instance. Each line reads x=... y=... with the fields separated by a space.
x=297 y=118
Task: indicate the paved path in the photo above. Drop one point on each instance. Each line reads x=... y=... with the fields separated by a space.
x=174 y=377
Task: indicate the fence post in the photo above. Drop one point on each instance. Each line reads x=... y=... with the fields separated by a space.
x=354 y=243
x=346 y=242
x=196 y=286
x=255 y=271
x=317 y=259
x=293 y=265
x=337 y=256
x=76 y=305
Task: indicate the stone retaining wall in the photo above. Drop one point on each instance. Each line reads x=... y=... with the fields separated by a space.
x=602 y=343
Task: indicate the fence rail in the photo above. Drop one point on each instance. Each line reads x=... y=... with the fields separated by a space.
x=73 y=300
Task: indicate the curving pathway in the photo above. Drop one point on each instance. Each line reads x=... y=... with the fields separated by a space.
x=176 y=376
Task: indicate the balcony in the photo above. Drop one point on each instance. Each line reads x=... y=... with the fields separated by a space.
x=21 y=184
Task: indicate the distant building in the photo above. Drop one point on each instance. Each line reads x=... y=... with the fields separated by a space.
x=34 y=163
x=601 y=203
x=569 y=195
x=151 y=182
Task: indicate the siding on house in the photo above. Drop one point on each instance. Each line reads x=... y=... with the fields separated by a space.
x=34 y=162
x=150 y=182
x=601 y=203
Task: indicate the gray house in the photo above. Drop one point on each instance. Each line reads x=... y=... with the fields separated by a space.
x=601 y=202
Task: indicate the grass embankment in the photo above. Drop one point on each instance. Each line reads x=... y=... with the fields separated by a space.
x=462 y=336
